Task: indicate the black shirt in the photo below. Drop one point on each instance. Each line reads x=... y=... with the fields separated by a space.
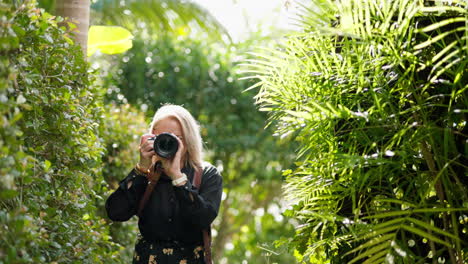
x=170 y=214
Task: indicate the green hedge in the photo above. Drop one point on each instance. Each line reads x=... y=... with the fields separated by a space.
x=52 y=146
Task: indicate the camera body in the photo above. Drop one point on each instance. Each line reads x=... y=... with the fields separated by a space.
x=165 y=145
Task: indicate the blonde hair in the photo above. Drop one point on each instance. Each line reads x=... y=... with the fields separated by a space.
x=190 y=130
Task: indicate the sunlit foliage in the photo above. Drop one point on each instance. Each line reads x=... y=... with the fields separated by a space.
x=159 y=17
x=376 y=94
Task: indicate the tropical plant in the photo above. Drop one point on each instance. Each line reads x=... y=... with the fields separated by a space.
x=375 y=92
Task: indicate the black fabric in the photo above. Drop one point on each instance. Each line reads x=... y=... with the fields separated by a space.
x=166 y=253
x=170 y=214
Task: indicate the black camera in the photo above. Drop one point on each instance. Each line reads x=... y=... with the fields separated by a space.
x=165 y=145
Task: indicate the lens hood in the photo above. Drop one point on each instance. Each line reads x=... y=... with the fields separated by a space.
x=166 y=145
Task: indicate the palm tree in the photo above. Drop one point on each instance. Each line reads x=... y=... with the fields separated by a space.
x=376 y=94
x=78 y=13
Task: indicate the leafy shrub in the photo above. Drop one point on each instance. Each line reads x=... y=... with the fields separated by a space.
x=50 y=146
x=376 y=94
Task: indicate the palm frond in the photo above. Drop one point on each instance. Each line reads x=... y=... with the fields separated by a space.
x=375 y=93
x=159 y=17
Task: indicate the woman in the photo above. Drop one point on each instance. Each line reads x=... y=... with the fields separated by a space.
x=177 y=214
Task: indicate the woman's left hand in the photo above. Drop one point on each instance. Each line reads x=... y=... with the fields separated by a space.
x=172 y=167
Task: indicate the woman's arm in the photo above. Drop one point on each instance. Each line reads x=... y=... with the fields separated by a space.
x=122 y=204
x=201 y=206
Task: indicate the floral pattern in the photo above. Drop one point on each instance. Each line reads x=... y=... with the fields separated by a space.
x=168 y=251
x=196 y=252
x=136 y=256
x=152 y=259
x=154 y=253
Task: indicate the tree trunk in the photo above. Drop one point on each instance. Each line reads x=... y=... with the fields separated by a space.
x=77 y=12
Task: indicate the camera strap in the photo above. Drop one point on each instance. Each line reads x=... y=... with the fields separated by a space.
x=206 y=232
x=154 y=175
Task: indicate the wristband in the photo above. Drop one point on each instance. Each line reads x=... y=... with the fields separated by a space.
x=140 y=170
x=180 y=180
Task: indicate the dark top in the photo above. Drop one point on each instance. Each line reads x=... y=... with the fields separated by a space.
x=170 y=214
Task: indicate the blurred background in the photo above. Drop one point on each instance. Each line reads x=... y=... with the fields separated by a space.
x=188 y=53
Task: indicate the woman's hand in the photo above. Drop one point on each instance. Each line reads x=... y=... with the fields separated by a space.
x=172 y=167
x=146 y=151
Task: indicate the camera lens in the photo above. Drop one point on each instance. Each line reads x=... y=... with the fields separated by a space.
x=166 y=145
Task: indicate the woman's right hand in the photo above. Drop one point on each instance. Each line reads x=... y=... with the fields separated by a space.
x=146 y=151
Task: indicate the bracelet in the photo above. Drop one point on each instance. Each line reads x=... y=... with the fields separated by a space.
x=140 y=170
x=180 y=180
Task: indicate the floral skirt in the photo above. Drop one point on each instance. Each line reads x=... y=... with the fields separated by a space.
x=166 y=253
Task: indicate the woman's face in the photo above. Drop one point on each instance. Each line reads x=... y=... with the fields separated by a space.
x=170 y=125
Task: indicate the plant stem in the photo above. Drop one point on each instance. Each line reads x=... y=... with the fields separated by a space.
x=440 y=194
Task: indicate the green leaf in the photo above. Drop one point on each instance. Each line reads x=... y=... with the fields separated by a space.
x=425 y=234
x=108 y=39
x=47 y=165
x=373 y=242
x=8 y=194
x=441 y=24
x=381 y=249
x=86 y=217
x=431 y=227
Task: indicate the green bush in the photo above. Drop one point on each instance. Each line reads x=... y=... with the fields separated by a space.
x=376 y=94
x=50 y=146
